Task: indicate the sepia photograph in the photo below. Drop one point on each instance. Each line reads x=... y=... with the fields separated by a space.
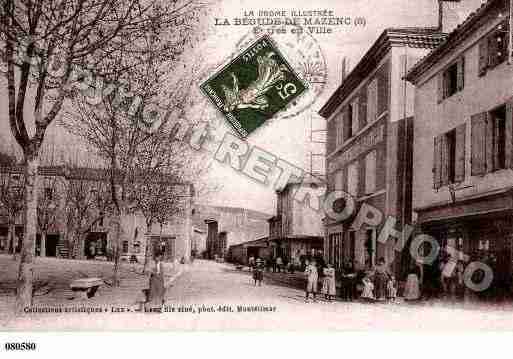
x=272 y=166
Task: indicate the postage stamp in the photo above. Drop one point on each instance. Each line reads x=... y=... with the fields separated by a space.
x=254 y=86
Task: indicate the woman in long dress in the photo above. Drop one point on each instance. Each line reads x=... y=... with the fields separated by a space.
x=412 y=287
x=312 y=277
x=381 y=277
x=157 y=289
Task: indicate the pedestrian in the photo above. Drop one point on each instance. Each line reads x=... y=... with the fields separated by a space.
x=157 y=289
x=251 y=261
x=328 y=283
x=258 y=272
x=381 y=277
x=348 y=281
x=311 y=280
x=392 y=289
x=368 y=288
x=412 y=287
x=279 y=264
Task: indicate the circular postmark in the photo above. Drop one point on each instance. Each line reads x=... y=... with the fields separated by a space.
x=305 y=55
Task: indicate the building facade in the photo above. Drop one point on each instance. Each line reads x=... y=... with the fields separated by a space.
x=463 y=142
x=296 y=230
x=59 y=187
x=369 y=145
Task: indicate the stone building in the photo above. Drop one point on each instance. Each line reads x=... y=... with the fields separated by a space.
x=369 y=146
x=296 y=230
x=226 y=226
x=463 y=152
x=53 y=238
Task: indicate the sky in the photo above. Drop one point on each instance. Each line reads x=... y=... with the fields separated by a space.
x=286 y=138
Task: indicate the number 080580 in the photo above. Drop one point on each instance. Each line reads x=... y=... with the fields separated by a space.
x=20 y=346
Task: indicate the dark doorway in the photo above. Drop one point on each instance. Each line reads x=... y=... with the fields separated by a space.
x=96 y=245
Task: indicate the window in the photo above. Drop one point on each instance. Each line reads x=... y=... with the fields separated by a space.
x=449 y=157
x=354 y=116
x=493 y=49
x=372 y=100
x=125 y=247
x=339 y=180
x=48 y=193
x=340 y=128
x=370 y=172
x=450 y=143
x=137 y=247
x=348 y=127
x=451 y=80
x=352 y=179
x=489 y=144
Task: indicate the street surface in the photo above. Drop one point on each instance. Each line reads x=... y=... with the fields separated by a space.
x=207 y=296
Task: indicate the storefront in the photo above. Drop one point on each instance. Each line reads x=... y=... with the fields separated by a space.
x=480 y=229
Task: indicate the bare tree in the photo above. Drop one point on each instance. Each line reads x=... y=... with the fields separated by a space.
x=47 y=46
x=86 y=202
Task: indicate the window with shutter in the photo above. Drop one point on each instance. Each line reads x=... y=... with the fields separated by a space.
x=437 y=162
x=459 y=170
x=354 y=114
x=446 y=157
x=340 y=128
x=440 y=89
x=460 y=77
x=332 y=134
x=490 y=143
x=339 y=180
x=372 y=100
x=509 y=135
x=483 y=57
x=352 y=179
x=347 y=123
x=370 y=172
x=362 y=107
x=478 y=144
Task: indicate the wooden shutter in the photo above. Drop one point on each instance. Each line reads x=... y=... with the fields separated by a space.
x=437 y=163
x=332 y=133
x=492 y=50
x=461 y=73
x=440 y=83
x=347 y=123
x=483 y=56
x=362 y=116
x=459 y=171
x=509 y=134
x=478 y=145
x=490 y=143
x=444 y=159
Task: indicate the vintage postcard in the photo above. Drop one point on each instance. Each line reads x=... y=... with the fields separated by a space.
x=225 y=165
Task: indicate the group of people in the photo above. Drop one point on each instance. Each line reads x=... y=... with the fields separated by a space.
x=378 y=284
x=328 y=289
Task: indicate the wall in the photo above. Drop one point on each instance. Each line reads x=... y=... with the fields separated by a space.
x=479 y=94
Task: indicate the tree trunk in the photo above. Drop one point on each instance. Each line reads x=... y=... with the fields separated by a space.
x=146 y=252
x=25 y=271
x=11 y=229
x=42 y=252
x=117 y=238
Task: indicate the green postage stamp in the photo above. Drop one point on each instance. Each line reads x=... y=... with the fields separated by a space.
x=254 y=86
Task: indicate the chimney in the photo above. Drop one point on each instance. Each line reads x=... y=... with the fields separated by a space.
x=344 y=68
x=451 y=13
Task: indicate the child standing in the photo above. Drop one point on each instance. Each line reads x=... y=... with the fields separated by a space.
x=391 y=289
x=368 y=288
x=312 y=278
x=328 y=283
